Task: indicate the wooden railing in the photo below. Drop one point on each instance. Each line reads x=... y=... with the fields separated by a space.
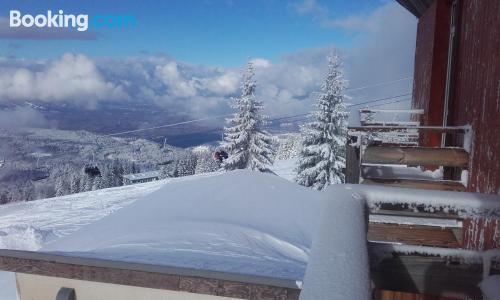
x=148 y=276
x=362 y=151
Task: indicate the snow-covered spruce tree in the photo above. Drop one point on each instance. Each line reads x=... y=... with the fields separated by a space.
x=322 y=156
x=248 y=145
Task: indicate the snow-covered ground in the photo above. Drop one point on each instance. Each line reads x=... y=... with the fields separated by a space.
x=252 y=223
x=30 y=225
x=285 y=168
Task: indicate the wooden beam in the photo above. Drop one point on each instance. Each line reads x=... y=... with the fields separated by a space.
x=412 y=235
x=416 y=156
x=352 y=170
x=442 y=185
x=398 y=210
x=148 y=276
x=398 y=272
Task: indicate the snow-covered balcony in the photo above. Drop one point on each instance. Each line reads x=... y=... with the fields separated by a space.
x=248 y=235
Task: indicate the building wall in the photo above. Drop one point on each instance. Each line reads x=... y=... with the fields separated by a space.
x=476 y=101
x=475 y=98
x=45 y=288
x=431 y=54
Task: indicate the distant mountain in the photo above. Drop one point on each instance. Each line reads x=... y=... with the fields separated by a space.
x=41 y=163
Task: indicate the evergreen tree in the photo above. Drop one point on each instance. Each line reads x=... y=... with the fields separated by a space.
x=322 y=157
x=74 y=184
x=249 y=146
x=88 y=183
x=205 y=163
x=97 y=183
x=61 y=186
x=117 y=173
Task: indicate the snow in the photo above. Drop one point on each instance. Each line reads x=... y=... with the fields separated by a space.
x=240 y=222
x=248 y=144
x=490 y=287
x=485 y=258
x=338 y=265
x=285 y=168
x=143 y=175
x=251 y=223
x=405 y=220
x=322 y=155
x=29 y=225
x=465 y=204
x=399 y=172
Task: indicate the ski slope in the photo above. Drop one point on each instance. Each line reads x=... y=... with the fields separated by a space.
x=30 y=225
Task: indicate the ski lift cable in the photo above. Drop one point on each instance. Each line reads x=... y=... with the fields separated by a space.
x=169 y=125
x=270 y=120
x=184 y=138
x=350 y=105
x=378 y=84
x=228 y=115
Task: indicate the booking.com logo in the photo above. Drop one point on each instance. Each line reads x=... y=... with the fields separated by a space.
x=79 y=22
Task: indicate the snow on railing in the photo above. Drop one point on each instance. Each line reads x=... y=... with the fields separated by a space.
x=338 y=267
x=379 y=251
x=460 y=203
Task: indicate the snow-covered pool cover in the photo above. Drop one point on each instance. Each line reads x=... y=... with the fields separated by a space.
x=242 y=221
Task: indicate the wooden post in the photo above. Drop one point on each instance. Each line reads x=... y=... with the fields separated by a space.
x=352 y=170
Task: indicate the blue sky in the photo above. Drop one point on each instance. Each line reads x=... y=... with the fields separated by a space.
x=209 y=32
x=188 y=56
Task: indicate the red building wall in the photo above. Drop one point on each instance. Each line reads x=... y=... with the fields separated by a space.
x=476 y=101
x=431 y=54
x=475 y=98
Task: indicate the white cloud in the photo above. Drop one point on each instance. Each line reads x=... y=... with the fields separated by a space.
x=260 y=62
x=177 y=85
x=383 y=50
x=310 y=7
x=72 y=78
x=224 y=84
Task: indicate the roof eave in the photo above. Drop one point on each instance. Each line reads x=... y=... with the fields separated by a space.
x=416 y=7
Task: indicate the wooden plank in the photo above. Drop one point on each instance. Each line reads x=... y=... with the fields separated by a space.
x=442 y=185
x=413 y=235
x=352 y=170
x=397 y=210
x=416 y=156
x=149 y=276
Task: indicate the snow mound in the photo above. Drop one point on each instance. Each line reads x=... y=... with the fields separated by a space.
x=23 y=237
x=242 y=222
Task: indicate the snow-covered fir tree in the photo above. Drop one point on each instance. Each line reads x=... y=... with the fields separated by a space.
x=322 y=156
x=248 y=144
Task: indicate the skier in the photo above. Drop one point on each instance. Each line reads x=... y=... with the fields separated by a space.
x=220 y=155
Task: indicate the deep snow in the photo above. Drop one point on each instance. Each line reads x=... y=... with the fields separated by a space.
x=29 y=225
x=338 y=264
x=242 y=221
